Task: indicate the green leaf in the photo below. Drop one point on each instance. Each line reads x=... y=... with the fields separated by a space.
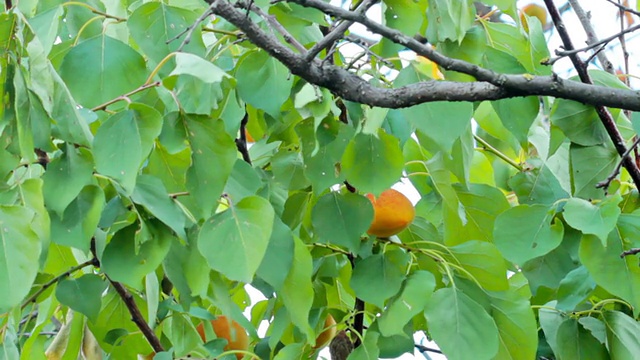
x=517 y=115
x=620 y=277
x=235 y=241
x=19 y=251
x=483 y=261
x=182 y=334
x=575 y=342
x=368 y=350
x=342 y=219
x=460 y=326
x=244 y=181
x=537 y=186
x=213 y=153
x=589 y=166
x=599 y=219
x=66 y=176
x=380 y=276
x=258 y=74
x=278 y=258
x=183 y=265
x=297 y=292
x=516 y=322
x=364 y=158
x=449 y=20
x=124 y=141
x=100 y=69
x=622 y=335
x=519 y=241
x=579 y=122
x=203 y=70
x=575 y=288
x=413 y=298
x=89 y=288
x=550 y=321
x=288 y=170
x=428 y=118
x=79 y=221
x=150 y=193
x=479 y=205
x=69 y=125
x=124 y=263
x=153 y=24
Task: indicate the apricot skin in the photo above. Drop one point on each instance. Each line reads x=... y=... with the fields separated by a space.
x=237 y=338
x=534 y=10
x=327 y=334
x=393 y=212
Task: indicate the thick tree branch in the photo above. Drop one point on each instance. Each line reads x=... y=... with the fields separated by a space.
x=492 y=85
x=603 y=113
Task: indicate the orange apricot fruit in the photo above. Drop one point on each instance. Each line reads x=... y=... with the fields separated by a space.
x=392 y=213
x=225 y=328
x=327 y=334
x=533 y=10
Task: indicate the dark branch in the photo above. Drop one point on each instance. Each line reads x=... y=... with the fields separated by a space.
x=55 y=280
x=241 y=142
x=136 y=316
x=491 y=85
x=423 y=348
x=358 y=321
x=633 y=251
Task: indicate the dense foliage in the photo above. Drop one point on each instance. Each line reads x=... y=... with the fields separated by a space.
x=131 y=198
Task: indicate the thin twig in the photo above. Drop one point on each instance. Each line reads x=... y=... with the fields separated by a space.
x=624 y=8
x=337 y=32
x=605 y=183
x=125 y=96
x=573 y=51
x=189 y=30
x=633 y=251
x=274 y=23
x=592 y=38
x=423 y=348
x=53 y=281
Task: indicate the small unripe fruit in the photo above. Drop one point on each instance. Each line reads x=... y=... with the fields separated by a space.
x=393 y=212
x=237 y=338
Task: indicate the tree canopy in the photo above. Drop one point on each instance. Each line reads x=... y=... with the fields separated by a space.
x=160 y=160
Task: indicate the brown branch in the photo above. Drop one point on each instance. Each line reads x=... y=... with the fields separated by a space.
x=56 y=279
x=136 y=316
x=423 y=348
x=603 y=113
x=633 y=251
x=125 y=96
x=605 y=183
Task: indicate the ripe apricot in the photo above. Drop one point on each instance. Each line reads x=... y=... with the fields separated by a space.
x=237 y=338
x=533 y=10
x=393 y=212
x=327 y=334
